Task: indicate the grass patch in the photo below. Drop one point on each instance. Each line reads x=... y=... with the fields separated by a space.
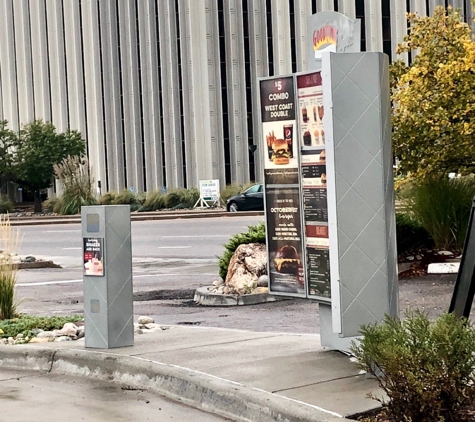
x=26 y=324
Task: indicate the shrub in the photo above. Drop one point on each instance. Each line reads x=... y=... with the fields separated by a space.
x=6 y=205
x=442 y=206
x=125 y=198
x=75 y=175
x=52 y=205
x=26 y=324
x=153 y=201
x=9 y=245
x=108 y=198
x=410 y=235
x=181 y=198
x=426 y=369
x=255 y=234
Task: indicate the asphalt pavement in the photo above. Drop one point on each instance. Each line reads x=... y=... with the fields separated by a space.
x=242 y=375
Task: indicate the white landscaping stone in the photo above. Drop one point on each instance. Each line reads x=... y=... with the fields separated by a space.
x=62 y=338
x=145 y=320
x=445 y=253
x=218 y=283
x=443 y=268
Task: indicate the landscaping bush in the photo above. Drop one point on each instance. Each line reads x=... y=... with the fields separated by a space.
x=425 y=369
x=410 y=235
x=125 y=198
x=75 y=175
x=108 y=198
x=154 y=201
x=255 y=234
x=6 y=205
x=181 y=198
x=52 y=205
x=9 y=246
x=26 y=324
x=442 y=206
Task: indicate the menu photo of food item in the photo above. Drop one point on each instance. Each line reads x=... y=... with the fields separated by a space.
x=280 y=146
x=287 y=273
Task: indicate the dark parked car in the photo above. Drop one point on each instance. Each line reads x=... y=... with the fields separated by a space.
x=251 y=199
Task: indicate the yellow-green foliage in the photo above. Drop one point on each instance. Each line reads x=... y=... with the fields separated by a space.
x=434 y=98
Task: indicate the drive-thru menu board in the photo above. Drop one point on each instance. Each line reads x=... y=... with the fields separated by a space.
x=314 y=183
x=282 y=190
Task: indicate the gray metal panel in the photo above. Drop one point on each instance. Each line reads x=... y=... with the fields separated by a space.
x=92 y=72
x=21 y=13
x=131 y=95
x=302 y=10
x=171 y=94
x=433 y=4
x=374 y=25
x=215 y=96
x=108 y=300
x=324 y=5
x=57 y=65
x=39 y=48
x=364 y=189
x=348 y=8
x=7 y=65
x=111 y=85
x=281 y=45
x=236 y=87
x=398 y=28
x=259 y=63
x=150 y=95
x=76 y=93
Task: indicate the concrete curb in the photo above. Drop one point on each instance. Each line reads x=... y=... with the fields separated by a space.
x=43 y=220
x=204 y=297
x=212 y=394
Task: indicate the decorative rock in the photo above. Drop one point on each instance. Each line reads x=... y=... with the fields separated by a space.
x=69 y=329
x=151 y=326
x=260 y=290
x=247 y=264
x=80 y=332
x=445 y=253
x=410 y=258
x=220 y=290
x=39 y=340
x=29 y=258
x=36 y=331
x=19 y=336
x=45 y=334
x=145 y=320
x=63 y=338
x=263 y=281
x=138 y=331
x=218 y=283
x=10 y=340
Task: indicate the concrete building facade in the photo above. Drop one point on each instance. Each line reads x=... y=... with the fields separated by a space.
x=165 y=91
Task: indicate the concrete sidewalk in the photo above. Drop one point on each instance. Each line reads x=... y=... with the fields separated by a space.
x=247 y=376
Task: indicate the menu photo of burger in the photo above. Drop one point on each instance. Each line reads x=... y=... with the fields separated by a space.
x=287 y=274
x=279 y=147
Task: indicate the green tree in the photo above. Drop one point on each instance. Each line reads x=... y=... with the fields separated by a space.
x=7 y=139
x=434 y=98
x=38 y=147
